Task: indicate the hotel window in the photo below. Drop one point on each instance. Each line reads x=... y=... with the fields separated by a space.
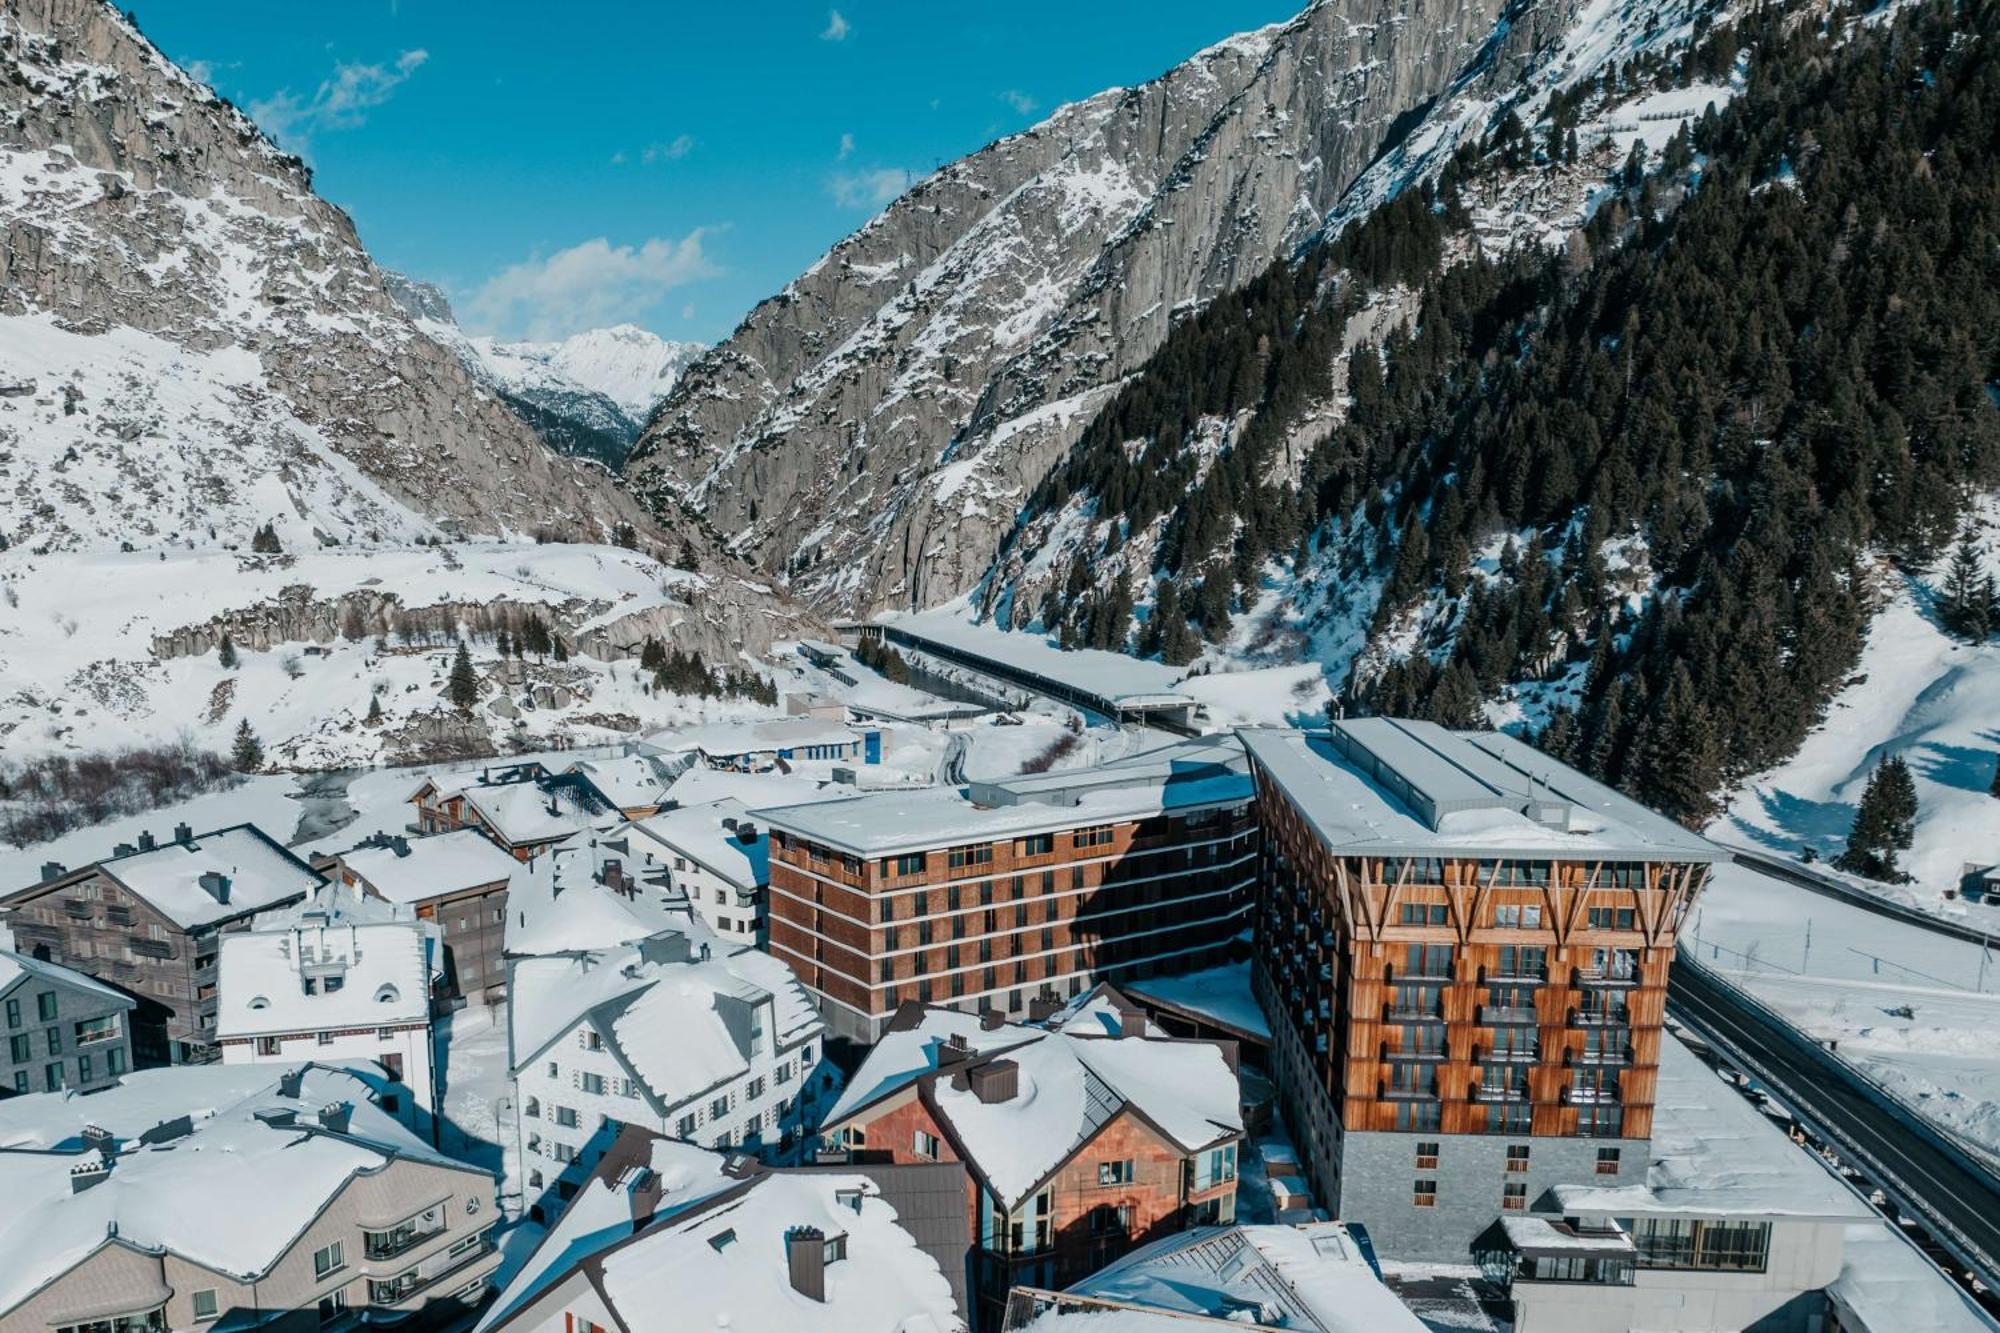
x=951 y=898
x=1427 y=1155
x=1694 y=1243
x=1612 y=918
x=924 y=1145
x=14 y=1013
x=686 y=1125
x=1518 y=916
x=1091 y=837
x=1428 y=960
x=977 y=854
x=1607 y=1161
x=328 y=1259
x=1115 y=1173
x=1517 y=1157
x=566 y=1116
x=1041 y=844
x=45 y=1006
x=1048 y=881
x=912 y=864
x=1426 y=1195
x=1425 y=914
x=1514 y=1196
x=592 y=1083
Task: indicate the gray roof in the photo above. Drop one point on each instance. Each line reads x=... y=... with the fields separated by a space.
x=1394 y=787
x=929 y=1199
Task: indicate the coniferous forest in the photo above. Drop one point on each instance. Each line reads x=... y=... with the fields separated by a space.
x=1770 y=361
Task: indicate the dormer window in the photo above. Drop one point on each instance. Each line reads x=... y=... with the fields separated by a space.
x=849 y=1199
x=388 y=994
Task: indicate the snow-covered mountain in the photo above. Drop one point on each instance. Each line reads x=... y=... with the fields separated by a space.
x=872 y=430
x=588 y=395
x=195 y=347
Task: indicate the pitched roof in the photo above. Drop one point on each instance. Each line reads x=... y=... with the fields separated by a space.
x=708 y=834
x=524 y=813
x=1069 y=1086
x=712 y=1254
x=414 y=870
x=384 y=971
x=16 y=967
x=206 y=1195
x=258 y=870
x=561 y=903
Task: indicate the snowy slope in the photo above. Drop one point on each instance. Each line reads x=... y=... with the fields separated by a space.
x=631 y=366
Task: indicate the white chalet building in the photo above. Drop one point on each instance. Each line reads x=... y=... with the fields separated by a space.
x=720 y=858
x=337 y=993
x=678 y=1034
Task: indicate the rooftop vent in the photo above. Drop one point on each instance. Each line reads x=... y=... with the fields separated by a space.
x=991 y=1020
x=805 y=1261
x=667 y=947
x=729 y=822
x=1043 y=1007
x=278 y=1117
x=53 y=870
x=292 y=1082
x=955 y=1051
x=96 y=1136
x=88 y=1173
x=399 y=844
x=333 y=1117
x=168 y=1131
x=746 y=833
x=184 y=835
x=216 y=885
x=995 y=1082
x=147 y=842
x=123 y=849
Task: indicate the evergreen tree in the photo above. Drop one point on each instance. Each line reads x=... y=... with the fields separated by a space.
x=689 y=559
x=264 y=541
x=556 y=649
x=625 y=535
x=225 y=653
x=500 y=642
x=374 y=718
x=1994 y=788
x=1884 y=823
x=247 y=754
x=1966 y=601
x=462 y=686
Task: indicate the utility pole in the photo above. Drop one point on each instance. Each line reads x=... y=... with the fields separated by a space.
x=1805 y=963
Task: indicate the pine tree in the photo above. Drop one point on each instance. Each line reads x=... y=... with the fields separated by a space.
x=625 y=535
x=462 y=688
x=1994 y=789
x=374 y=718
x=1966 y=601
x=264 y=541
x=500 y=642
x=247 y=754
x=225 y=653
x=556 y=649
x=1884 y=823
x=1676 y=766
x=689 y=559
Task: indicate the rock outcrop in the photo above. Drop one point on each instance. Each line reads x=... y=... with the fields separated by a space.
x=871 y=431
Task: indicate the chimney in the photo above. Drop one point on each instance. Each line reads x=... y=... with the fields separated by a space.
x=400 y=844
x=613 y=874
x=991 y=1020
x=747 y=833
x=53 y=870
x=995 y=1082
x=216 y=884
x=123 y=849
x=147 y=842
x=89 y=1173
x=729 y=822
x=96 y=1136
x=333 y=1117
x=184 y=835
x=953 y=1052
x=805 y=1259
x=1131 y=1023
x=167 y=1131
x=291 y=1082
x=1042 y=1008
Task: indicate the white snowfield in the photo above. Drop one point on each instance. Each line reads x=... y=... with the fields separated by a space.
x=79 y=671
x=633 y=367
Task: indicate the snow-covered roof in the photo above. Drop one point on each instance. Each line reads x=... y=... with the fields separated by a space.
x=761 y=736
x=563 y=902
x=515 y=769
x=1390 y=787
x=1887 y=1283
x=713 y=1254
x=1098 y=1012
x=632 y=781
x=1179 y=779
x=702 y=784
x=664 y=1006
x=383 y=976
x=1219 y=993
x=699 y=833
x=1714 y=1154
x=15 y=967
x=1069 y=1085
x=524 y=814
x=231 y=1195
x=1114 y=677
x=258 y=870
x=1315 y=1276
x=1550 y=1236
x=415 y=870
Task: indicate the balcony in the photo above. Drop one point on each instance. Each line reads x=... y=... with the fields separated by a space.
x=1488 y=1093
x=1595 y=978
x=118 y=914
x=1614 y=1056
x=1586 y=1096
x=78 y=909
x=450 y=1268
x=1401 y=1013
x=1507 y=1016
x=1618 y=1016
x=1507 y=1055
x=151 y=948
x=378 y=1245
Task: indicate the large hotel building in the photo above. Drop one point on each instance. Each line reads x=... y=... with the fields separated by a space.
x=992 y=895
x=1463 y=949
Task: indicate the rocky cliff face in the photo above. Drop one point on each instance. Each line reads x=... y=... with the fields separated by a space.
x=203 y=342
x=871 y=431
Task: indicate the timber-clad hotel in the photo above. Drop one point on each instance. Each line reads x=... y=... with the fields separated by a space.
x=1461 y=944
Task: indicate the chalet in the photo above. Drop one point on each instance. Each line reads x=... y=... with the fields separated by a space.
x=149 y=921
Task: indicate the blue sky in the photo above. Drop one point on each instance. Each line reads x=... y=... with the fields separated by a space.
x=561 y=166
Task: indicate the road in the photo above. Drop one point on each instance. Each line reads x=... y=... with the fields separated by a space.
x=1954 y=1195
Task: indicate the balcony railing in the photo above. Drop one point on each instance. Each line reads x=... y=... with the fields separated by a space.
x=1507 y=1055
x=1617 y=1055
x=1601 y=1018
x=1398 y=1013
x=1600 y=979
x=389 y=1244
x=401 y=1289
x=1587 y=1096
x=1507 y=1015
x=1486 y=1092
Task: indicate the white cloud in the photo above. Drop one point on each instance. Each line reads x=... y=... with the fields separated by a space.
x=837 y=27
x=340 y=102
x=618 y=158
x=673 y=150
x=1020 y=101
x=586 y=286
x=870 y=188
x=846 y=148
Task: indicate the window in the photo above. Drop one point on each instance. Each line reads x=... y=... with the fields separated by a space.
x=52 y=1077
x=114 y=1061
x=566 y=1116
x=14 y=1013
x=685 y=1126
x=1694 y=1243
x=1517 y=1157
x=1426 y=914
x=323 y=1038
x=1041 y=844
x=20 y=1080
x=83 y=1069
x=1427 y=1155
x=1514 y=1196
x=1518 y=916
x=329 y=1259
x=269 y=1046
x=1611 y=918
x=835 y=1248
x=1428 y=960
x=1115 y=1173
x=719 y=1108
x=591 y=1083
x=589 y=1039
x=1426 y=1195
x=21 y=1049
x=977 y=854
x=924 y=1144
x=912 y=864
x=205 y=1305
x=1607 y=1161
x=532 y=1108
x=562 y=1152
x=331 y=1307
x=45 y=1006
x=54 y=1038
x=756 y=1089
x=1091 y=837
